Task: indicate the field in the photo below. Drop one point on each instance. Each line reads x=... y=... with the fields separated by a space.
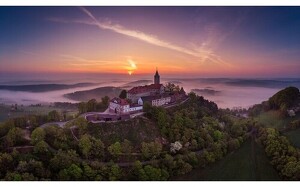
x=5 y=112
x=249 y=163
x=294 y=137
x=274 y=119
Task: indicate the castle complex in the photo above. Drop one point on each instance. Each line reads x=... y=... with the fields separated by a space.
x=155 y=94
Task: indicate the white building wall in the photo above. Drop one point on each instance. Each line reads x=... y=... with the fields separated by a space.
x=113 y=106
x=161 y=101
x=140 y=101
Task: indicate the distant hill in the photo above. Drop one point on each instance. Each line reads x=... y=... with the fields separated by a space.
x=206 y=91
x=43 y=87
x=96 y=93
x=136 y=83
x=285 y=98
x=281 y=101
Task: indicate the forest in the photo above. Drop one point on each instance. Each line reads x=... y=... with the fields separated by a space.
x=162 y=144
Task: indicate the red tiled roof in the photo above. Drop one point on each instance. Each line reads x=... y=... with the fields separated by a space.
x=119 y=101
x=146 y=88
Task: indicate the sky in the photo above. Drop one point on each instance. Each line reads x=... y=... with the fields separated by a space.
x=183 y=41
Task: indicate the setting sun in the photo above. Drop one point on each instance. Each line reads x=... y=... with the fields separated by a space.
x=132 y=66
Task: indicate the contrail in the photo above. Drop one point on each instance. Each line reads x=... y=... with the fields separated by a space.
x=203 y=54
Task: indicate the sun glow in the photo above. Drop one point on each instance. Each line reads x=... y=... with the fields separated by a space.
x=132 y=66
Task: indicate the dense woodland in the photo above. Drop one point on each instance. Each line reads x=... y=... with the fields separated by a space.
x=162 y=144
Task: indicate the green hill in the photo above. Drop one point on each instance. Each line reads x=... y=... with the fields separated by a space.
x=249 y=163
x=284 y=99
x=97 y=93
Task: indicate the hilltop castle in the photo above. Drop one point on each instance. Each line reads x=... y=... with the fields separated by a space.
x=148 y=90
x=155 y=94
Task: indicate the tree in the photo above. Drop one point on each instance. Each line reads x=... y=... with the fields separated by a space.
x=37 y=135
x=209 y=156
x=41 y=147
x=81 y=124
x=97 y=150
x=169 y=162
x=182 y=166
x=6 y=163
x=115 y=173
x=32 y=167
x=292 y=170
x=217 y=135
x=88 y=172
x=82 y=107
x=123 y=94
x=53 y=116
x=14 y=136
x=192 y=159
x=91 y=105
x=151 y=150
x=63 y=159
x=162 y=121
x=13 y=176
x=5 y=127
x=75 y=172
x=85 y=145
x=105 y=101
x=153 y=174
x=147 y=108
x=233 y=144
x=115 y=149
x=171 y=87
x=28 y=177
x=126 y=146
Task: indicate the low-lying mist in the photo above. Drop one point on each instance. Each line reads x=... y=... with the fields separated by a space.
x=227 y=93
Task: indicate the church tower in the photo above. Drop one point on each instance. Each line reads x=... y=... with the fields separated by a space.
x=156 y=78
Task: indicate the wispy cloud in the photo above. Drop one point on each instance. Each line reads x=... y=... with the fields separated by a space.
x=30 y=53
x=199 y=52
x=79 y=61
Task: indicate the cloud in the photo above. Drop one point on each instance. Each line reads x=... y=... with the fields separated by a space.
x=198 y=52
x=79 y=61
x=30 y=53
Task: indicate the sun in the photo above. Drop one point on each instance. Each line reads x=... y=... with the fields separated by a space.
x=131 y=67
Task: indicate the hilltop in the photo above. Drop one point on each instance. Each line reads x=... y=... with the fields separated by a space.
x=96 y=93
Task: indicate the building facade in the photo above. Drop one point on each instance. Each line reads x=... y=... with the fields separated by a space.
x=148 y=90
x=159 y=100
x=118 y=105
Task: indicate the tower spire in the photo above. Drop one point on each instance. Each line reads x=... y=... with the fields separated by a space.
x=156 y=77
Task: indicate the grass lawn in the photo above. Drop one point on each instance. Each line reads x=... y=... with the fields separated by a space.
x=294 y=137
x=273 y=119
x=249 y=163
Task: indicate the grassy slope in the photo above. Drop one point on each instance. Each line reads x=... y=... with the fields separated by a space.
x=247 y=163
x=294 y=137
x=274 y=120
x=135 y=130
